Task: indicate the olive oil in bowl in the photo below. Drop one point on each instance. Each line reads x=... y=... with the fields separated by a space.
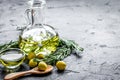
x=12 y=59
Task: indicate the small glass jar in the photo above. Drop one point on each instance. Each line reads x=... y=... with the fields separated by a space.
x=12 y=59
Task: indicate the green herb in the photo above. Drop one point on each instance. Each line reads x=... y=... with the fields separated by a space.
x=11 y=44
x=64 y=49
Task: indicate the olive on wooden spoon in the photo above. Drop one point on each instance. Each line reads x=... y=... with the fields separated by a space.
x=35 y=70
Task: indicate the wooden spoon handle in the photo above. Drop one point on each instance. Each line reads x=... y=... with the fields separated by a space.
x=12 y=76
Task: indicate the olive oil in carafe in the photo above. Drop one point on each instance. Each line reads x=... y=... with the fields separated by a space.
x=38 y=37
x=36 y=40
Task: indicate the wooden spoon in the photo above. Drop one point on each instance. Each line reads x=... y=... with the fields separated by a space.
x=35 y=70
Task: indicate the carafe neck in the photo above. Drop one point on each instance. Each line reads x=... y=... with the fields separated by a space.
x=36 y=13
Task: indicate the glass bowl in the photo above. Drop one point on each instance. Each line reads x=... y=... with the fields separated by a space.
x=12 y=59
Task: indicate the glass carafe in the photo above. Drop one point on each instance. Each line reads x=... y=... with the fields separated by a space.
x=38 y=37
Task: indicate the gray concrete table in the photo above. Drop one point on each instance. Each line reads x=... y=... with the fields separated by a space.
x=93 y=24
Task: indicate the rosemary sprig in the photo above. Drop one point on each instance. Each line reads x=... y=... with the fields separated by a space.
x=64 y=49
x=11 y=44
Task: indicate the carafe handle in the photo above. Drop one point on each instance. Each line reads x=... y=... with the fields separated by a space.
x=30 y=16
